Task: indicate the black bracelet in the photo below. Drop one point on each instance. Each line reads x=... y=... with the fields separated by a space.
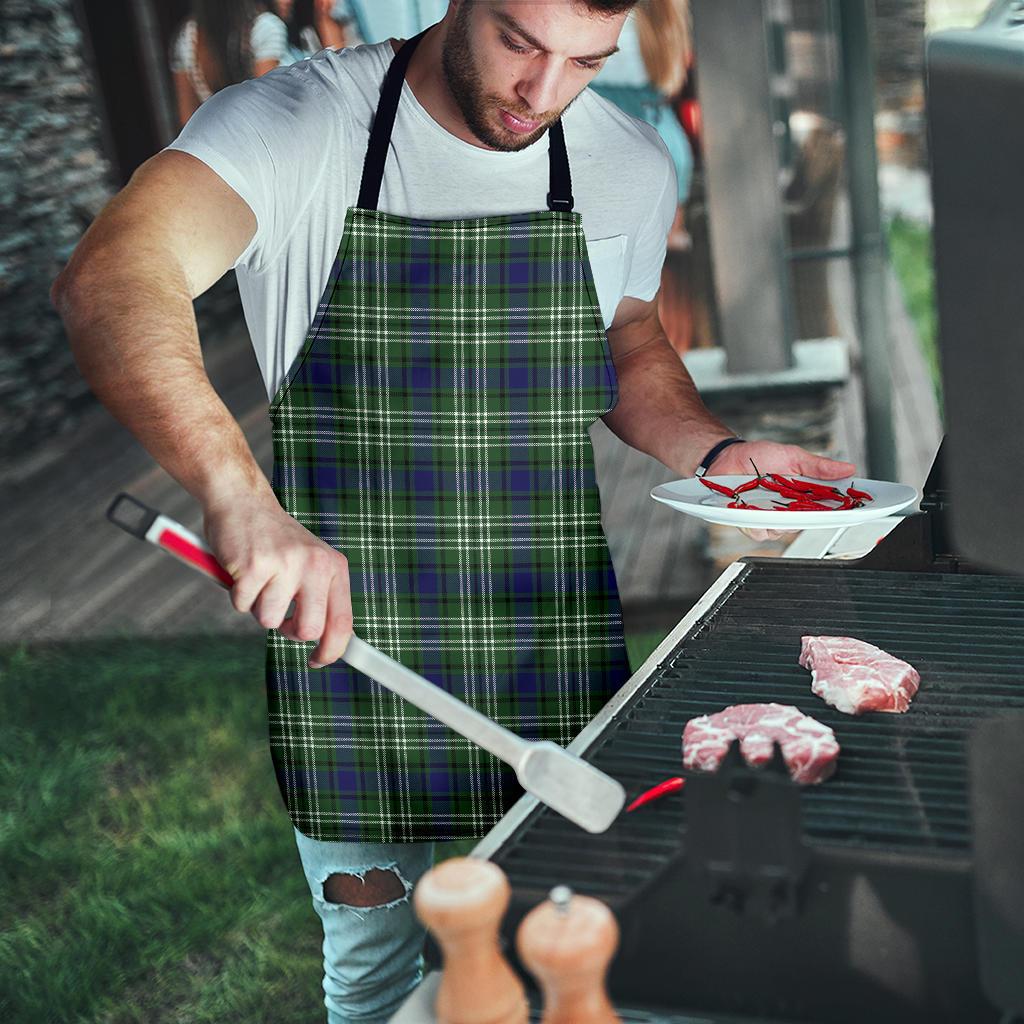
x=705 y=463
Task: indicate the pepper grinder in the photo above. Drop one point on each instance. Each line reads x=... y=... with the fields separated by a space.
x=567 y=942
x=462 y=901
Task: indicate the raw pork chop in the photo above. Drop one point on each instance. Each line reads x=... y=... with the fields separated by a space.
x=808 y=747
x=855 y=677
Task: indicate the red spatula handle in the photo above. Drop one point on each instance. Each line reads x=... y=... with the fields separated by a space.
x=147 y=524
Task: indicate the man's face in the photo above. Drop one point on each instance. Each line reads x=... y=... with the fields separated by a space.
x=513 y=66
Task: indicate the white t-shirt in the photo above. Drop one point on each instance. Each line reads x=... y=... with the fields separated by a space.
x=292 y=144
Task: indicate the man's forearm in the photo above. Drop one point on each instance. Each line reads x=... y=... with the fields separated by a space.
x=134 y=337
x=660 y=411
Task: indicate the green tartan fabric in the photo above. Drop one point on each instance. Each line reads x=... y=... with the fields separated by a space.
x=433 y=428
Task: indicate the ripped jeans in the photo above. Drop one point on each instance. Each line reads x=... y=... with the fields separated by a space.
x=373 y=955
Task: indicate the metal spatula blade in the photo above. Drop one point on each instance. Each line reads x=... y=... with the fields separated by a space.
x=571 y=786
x=564 y=782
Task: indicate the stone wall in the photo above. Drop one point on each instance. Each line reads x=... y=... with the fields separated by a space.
x=53 y=180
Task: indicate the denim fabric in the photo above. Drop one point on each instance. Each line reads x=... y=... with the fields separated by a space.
x=373 y=956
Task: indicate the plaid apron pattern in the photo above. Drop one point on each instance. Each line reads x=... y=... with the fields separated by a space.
x=434 y=429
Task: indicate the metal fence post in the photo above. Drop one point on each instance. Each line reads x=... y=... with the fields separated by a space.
x=744 y=202
x=868 y=240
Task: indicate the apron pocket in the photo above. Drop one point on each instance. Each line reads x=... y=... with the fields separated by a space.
x=608 y=267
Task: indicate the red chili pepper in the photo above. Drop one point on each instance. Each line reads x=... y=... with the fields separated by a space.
x=750 y=485
x=862 y=495
x=760 y=476
x=661 y=789
x=809 y=487
x=786 y=492
x=807 y=506
x=721 y=489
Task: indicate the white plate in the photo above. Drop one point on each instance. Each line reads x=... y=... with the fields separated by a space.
x=693 y=498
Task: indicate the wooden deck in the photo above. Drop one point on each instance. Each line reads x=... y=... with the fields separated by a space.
x=74 y=574
x=70 y=573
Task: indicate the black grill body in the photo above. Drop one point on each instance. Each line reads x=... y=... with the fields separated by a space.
x=847 y=901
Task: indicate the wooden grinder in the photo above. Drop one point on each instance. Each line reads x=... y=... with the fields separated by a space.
x=462 y=902
x=567 y=943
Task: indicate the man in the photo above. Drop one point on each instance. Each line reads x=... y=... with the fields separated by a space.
x=433 y=479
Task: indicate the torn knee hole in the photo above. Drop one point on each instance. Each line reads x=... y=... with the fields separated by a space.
x=376 y=888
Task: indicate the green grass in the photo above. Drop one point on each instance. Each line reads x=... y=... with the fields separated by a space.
x=910 y=248
x=149 y=871
x=641 y=645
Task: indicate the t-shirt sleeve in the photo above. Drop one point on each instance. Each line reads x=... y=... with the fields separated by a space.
x=269 y=139
x=652 y=238
x=269 y=37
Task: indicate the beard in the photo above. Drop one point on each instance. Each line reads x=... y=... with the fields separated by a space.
x=479 y=108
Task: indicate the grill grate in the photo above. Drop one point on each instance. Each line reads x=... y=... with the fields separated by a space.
x=901 y=784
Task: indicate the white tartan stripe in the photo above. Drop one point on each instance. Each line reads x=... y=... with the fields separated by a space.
x=565 y=539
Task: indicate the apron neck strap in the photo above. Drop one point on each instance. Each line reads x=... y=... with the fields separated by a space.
x=383 y=122
x=560 y=185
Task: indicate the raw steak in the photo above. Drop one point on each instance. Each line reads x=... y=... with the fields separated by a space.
x=808 y=747
x=855 y=677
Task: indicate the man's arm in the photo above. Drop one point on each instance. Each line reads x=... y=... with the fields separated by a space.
x=126 y=301
x=661 y=413
x=659 y=410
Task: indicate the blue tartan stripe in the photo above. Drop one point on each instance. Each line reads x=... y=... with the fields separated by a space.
x=434 y=429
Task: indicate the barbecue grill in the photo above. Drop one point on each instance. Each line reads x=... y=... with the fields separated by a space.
x=895 y=890
x=746 y=896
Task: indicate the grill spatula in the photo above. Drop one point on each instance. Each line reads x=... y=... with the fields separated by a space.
x=566 y=783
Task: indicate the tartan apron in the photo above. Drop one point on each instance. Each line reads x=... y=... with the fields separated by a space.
x=433 y=428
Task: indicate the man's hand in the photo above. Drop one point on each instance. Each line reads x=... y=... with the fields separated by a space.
x=274 y=560
x=771 y=457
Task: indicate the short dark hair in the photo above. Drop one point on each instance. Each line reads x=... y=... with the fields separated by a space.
x=608 y=7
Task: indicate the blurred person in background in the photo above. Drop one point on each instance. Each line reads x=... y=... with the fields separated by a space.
x=645 y=78
x=221 y=43
x=376 y=20
x=314 y=25
x=648 y=73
